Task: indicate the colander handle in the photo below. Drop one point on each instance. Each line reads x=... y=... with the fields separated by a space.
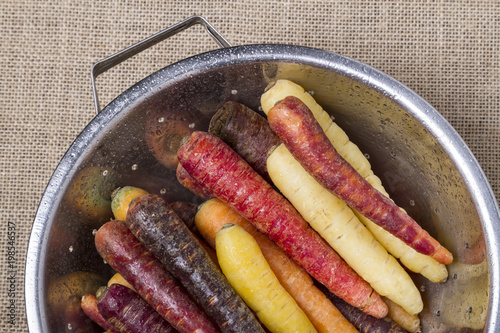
x=115 y=59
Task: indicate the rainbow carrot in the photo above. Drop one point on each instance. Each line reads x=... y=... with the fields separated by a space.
x=125 y=253
x=157 y=226
x=326 y=318
x=414 y=261
x=294 y=123
x=225 y=174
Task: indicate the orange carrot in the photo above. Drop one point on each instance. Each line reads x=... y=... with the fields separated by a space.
x=295 y=124
x=226 y=175
x=213 y=214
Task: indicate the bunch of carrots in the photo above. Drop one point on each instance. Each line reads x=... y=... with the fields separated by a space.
x=296 y=234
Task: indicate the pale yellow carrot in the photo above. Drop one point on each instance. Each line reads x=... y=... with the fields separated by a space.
x=410 y=258
x=247 y=270
x=326 y=318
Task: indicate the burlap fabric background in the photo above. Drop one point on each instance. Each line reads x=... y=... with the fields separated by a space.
x=447 y=51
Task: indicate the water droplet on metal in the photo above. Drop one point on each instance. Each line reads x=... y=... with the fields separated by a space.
x=161 y=119
x=71 y=248
x=163 y=191
x=412 y=202
x=234 y=91
x=134 y=167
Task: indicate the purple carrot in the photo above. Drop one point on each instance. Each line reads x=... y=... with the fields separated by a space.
x=124 y=252
x=236 y=125
x=157 y=226
x=129 y=312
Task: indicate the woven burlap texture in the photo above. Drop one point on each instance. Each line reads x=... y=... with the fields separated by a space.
x=446 y=51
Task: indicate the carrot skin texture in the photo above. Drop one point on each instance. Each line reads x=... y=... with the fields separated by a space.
x=157 y=226
x=186 y=212
x=213 y=214
x=128 y=312
x=124 y=252
x=294 y=123
x=209 y=160
x=89 y=306
x=362 y=321
x=191 y=184
x=236 y=124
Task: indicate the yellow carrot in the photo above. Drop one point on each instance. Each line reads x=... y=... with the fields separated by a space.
x=247 y=270
x=340 y=227
x=326 y=318
x=413 y=260
x=121 y=198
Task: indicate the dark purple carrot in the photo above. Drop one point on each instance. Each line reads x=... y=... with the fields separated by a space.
x=187 y=211
x=295 y=124
x=129 y=312
x=89 y=306
x=123 y=251
x=225 y=174
x=240 y=127
x=363 y=322
x=231 y=124
x=191 y=184
x=157 y=226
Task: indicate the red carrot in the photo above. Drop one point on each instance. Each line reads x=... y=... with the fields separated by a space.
x=225 y=174
x=129 y=312
x=123 y=251
x=231 y=124
x=89 y=306
x=191 y=184
x=157 y=226
x=295 y=124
